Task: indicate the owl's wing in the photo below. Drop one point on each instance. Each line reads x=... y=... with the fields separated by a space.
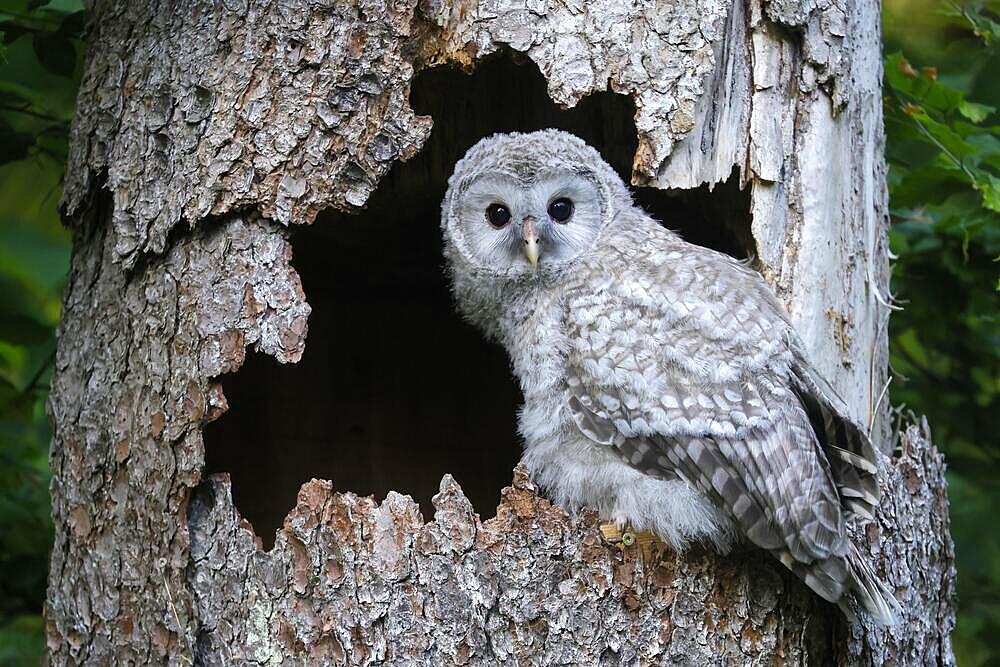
x=850 y=451
x=690 y=372
x=769 y=479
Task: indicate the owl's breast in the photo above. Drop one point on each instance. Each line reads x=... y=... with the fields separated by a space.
x=534 y=334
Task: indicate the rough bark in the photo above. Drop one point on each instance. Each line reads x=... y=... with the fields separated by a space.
x=353 y=581
x=239 y=117
x=133 y=384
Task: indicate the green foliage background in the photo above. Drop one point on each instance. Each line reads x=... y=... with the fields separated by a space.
x=39 y=74
x=942 y=76
x=942 y=86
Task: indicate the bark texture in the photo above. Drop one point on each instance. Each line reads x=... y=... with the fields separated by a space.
x=203 y=128
x=133 y=385
x=351 y=581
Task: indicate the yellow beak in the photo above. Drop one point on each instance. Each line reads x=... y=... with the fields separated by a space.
x=530 y=235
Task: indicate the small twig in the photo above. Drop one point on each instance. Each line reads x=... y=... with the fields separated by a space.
x=38 y=374
x=878 y=295
x=958 y=162
x=27 y=111
x=177 y=618
x=871 y=418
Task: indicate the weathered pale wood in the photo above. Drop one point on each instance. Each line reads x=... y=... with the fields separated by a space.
x=795 y=102
x=203 y=128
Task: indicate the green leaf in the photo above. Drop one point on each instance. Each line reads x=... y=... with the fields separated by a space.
x=975 y=112
x=22 y=640
x=23 y=298
x=910 y=343
x=989 y=187
x=64 y=6
x=18 y=94
x=14 y=145
x=55 y=52
x=899 y=73
x=941 y=97
x=945 y=136
x=23 y=330
x=928 y=184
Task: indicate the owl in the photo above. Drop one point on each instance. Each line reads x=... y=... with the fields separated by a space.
x=663 y=383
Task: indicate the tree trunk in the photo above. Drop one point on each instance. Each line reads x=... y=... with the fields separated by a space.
x=204 y=131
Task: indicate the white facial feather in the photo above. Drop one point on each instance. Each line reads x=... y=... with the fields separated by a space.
x=501 y=250
x=662 y=382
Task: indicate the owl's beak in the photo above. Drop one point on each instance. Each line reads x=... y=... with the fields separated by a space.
x=530 y=235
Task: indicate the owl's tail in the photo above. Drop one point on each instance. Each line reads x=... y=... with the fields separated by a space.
x=870 y=592
x=839 y=578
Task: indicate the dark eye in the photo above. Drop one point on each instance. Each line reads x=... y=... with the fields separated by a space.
x=498 y=215
x=560 y=209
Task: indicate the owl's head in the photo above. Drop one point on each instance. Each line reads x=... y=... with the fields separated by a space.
x=520 y=205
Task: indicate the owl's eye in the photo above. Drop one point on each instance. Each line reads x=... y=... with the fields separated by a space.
x=497 y=215
x=560 y=209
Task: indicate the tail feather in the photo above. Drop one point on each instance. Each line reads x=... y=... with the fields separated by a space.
x=859 y=509
x=838 y=579
x=871 y=593
x=852 y=458
x=847 y=447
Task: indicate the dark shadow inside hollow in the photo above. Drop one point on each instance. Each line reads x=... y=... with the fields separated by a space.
x=394 y=390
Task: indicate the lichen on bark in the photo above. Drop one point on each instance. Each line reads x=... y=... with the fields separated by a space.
x=287 y=107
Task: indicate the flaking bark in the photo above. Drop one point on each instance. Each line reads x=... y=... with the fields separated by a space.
x=352 y=581
x=202 y=128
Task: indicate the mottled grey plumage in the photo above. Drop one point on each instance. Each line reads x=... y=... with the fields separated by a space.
x=663 y=383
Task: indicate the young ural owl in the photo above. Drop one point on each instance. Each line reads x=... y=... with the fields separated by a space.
x=663 y=384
